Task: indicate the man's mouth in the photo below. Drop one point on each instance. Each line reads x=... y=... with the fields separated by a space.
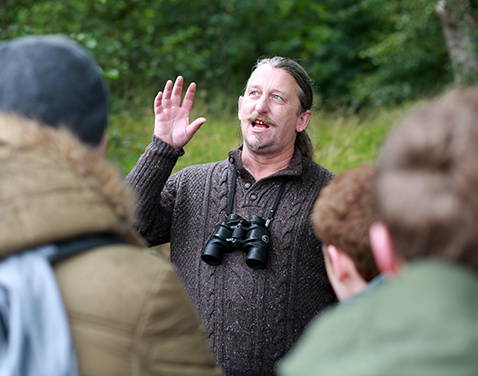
x=259 y=124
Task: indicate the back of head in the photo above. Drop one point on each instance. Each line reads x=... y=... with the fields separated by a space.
x=305 y=94
x=343 y=214
x=427 y=180
x=55 y=81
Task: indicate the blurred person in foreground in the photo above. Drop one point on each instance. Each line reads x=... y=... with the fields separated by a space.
x=127 y=310
x=341 y=218
x=424 y=320
x=240 y=229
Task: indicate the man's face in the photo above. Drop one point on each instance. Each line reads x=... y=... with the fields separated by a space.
x=268 y=111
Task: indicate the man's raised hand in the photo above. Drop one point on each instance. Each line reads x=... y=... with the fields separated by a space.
x=171 y=119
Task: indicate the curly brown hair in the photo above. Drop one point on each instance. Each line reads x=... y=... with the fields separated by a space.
x=342 y=216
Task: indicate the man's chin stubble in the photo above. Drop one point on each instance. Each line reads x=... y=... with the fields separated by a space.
x=256 y=145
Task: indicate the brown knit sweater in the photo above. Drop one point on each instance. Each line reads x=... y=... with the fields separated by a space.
x=252 y=317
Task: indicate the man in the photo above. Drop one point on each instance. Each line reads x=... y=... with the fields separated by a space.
x=341 y=218
x=127 y=310
x=424 y=320
x=253 y=308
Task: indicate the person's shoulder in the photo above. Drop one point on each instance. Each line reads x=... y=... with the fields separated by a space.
x=339 y=331
x=114 y=282
x=146 y=262
x=365 y=336
x=317 y=173
x=114 y=265
x=314 y=166
x=319 y=346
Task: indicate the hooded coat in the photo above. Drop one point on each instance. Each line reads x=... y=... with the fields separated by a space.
x=127 y=309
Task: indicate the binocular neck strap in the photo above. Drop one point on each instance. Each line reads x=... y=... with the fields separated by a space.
x=232 y=192
x=270 y=217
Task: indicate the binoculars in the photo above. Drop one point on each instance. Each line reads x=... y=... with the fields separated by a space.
x=236 y=233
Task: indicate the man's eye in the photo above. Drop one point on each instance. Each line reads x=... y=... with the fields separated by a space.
x=278 y=97
x=254 y=92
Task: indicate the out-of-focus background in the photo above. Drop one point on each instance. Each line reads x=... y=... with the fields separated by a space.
x=370 y=60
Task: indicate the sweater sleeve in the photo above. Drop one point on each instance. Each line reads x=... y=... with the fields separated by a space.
x=155 y=193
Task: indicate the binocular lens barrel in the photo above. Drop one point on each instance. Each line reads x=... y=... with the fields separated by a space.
x=217 y=245
x=212 y=254
x=256 y=245
x=255 y=260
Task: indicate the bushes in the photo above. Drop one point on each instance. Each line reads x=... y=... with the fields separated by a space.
x=360 y=53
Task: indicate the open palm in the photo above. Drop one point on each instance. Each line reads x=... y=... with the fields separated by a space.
x=171 y=119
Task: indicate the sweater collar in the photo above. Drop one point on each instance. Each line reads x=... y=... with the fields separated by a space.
x=292 y=170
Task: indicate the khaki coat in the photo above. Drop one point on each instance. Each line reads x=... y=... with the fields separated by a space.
x=128 y=312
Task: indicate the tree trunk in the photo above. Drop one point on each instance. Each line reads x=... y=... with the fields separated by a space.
x=460 y=29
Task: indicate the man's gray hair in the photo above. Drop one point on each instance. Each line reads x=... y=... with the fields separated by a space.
x=305 y=94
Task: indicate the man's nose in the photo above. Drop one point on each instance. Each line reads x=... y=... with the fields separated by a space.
x=262 y=104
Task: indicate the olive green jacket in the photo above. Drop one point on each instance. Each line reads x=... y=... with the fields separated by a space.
x=424 y=322
x=128 y=312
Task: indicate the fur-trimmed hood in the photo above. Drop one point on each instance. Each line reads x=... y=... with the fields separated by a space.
x=53 y=188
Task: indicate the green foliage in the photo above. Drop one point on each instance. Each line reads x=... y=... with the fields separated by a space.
x=360 y=53
x=409 y=54
x=339 y=30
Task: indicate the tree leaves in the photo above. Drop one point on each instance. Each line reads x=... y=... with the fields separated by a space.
x=359 y=52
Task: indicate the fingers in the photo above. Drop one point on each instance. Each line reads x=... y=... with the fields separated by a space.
x=171 y=96
x=189 y=97
x=163 y=97
x=177 y=91
x=158 y=102
x=195 y=125
x=168 y=88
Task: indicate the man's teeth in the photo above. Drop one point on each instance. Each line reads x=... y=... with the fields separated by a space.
x=259 y=124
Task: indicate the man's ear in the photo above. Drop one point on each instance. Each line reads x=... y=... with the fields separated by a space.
x=100 y=149
x=336 y=262
x=239 y=107
x=303 y=121
x=383 y=249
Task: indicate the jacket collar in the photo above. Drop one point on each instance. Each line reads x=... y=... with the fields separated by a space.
x=54 y=188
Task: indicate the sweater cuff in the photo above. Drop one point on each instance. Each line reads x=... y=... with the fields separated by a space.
x=158 y=146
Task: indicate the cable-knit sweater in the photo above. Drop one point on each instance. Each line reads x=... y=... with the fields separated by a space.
x=252 y=317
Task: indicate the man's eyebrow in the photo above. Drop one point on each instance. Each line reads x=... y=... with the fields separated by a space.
x=274 y=90
x=253 y=85
x=279 y=91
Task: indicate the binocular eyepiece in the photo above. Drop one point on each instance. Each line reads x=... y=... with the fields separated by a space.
x=236 y=233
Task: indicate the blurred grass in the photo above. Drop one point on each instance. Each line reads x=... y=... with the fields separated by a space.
x=342 y=140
